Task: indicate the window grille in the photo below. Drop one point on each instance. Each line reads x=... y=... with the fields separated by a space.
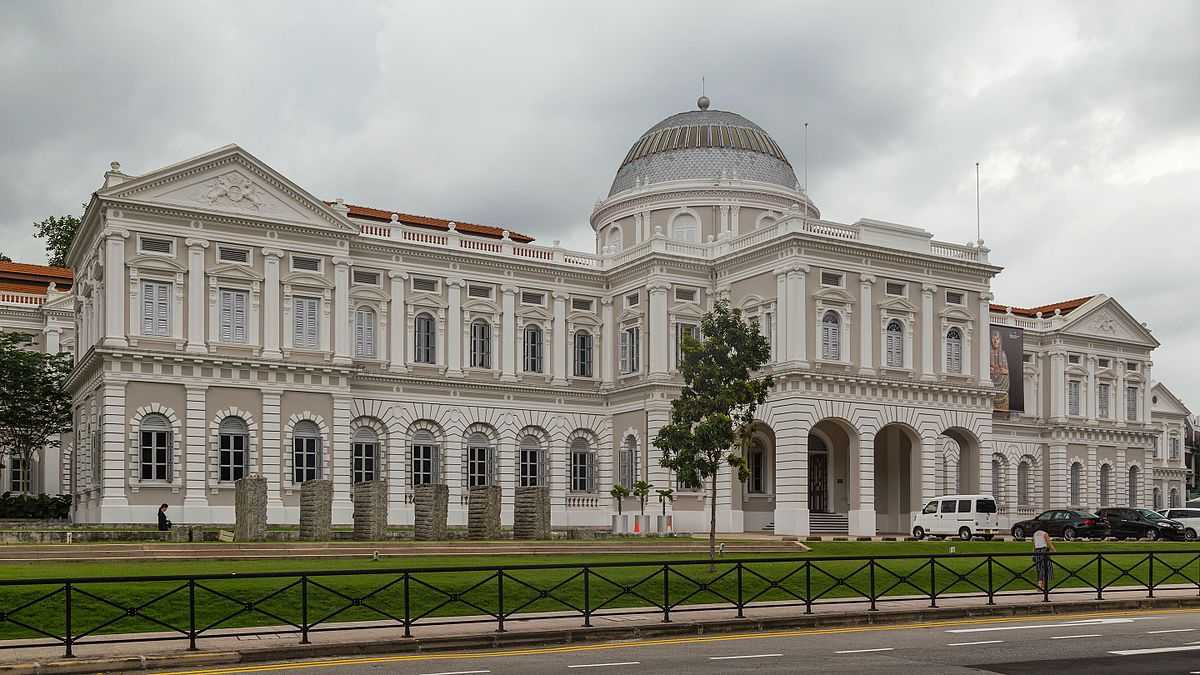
x=306 y=264
x=954 y=351
x=832 y=279
x=831 y=343
x=531 y=298
x=685 y=294
x=896 y=288
x=233 y=255
x=581 y=304
x=163 y=246
x=366 y=277
x=955 y=298
x=479 y=291
x=425 y=285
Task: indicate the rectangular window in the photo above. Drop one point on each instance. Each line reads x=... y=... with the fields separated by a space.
x=955 y=298
x=583 y=469
x=230 y=254
x=305 y=326
x=685 y=295
x=530 y=467
x=896 y=288
x=301 y=263
x=233 y=315
x=583 y=354
x=632 y=300
x=484 y=292
x=364 y=333
x=1027 y=358
x=156 y=455
x=1103 y=399
x=231 y=460
x=363 y=461
x=630 y=361
x=366 y=277
x=581 y=304
x=424 y=464
x=533 y=349
x=1103 y=363
x=156 y=309
x=1073 y=397
x=20 y=477
x=836 y=279
x=157 y=246
x=1131 y=366
x=758 y=471
x=479 y=466
x=684 y=331
x=425 y=285
x=306 y=457
x=532 y=298
x=1131 y=403
x=1073 y=359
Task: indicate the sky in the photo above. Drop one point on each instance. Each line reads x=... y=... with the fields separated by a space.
x=1085 y=117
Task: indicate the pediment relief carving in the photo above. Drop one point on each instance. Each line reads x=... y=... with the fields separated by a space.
x=480 y=306
x=834 y=296
x=1109 y=323
x=368 y=293
x=234 y=272
x=154 y=262
x=897 y=305
x=303 y=279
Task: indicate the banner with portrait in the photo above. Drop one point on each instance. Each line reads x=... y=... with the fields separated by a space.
x=1007 y=368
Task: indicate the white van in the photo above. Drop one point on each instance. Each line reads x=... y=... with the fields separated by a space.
x=966 y=516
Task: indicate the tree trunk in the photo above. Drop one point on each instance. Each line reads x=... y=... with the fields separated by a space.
x=712 y=527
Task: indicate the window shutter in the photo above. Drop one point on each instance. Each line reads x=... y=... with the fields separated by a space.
x=360 y=339
x=226 y=316
x=239 y=316
x=164 y=309
x=625 y=351
x=298 y=322
x=170 y=459
x=311 y=327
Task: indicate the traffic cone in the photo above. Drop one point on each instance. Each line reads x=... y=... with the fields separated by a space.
x=637 y=525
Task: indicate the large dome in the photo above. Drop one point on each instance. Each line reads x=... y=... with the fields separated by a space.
x=704 y=144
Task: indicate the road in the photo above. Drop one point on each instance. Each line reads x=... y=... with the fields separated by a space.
x=1125 y=643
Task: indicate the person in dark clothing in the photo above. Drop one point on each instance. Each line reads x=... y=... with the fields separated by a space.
x=163 y=523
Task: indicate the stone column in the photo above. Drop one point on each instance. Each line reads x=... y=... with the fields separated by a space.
x=791 y=478
x=1091 y=495
x=195 y=503
x=342 y=349
x=316 y=502
x=560 y=349
x=343 y=506
x=272 y=320
x=658 y=414
x=370 y=511
x=781 y=316
x=114 y=288
x=454 y=329
x=1058 y=383
x=1057 y=475
x=483 y=517
x=114 y=504
x=195 y=296
x=658 y=321
x=250 y=508
x=397 y=352
x=430 y=502
x=271 y=447
x=606 y=353
x=867 y=326
x=862 y=513
x=927 y=291
x=531 y=513
x=1092 y=403
x=508 y=339
x=798 y=316
x=1121 y=480
x=984 y=364
x=1145 y=414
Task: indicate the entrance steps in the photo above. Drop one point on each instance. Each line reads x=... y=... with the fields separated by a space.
x=828 y=523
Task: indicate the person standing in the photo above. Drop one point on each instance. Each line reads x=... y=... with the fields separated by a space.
x=1042 y=548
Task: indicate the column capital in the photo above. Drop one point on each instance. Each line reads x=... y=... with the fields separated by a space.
x=509 y=289
x=455 y=282
x=560 y=296
x=342 y=261
x=658 y=287
x=196 y=243
x=114 y=232
x=403 y=276
x=272 y=253
x=928 y=289
x=866 y=279
x=801 y=268
x=986 y=296
x=606 y=301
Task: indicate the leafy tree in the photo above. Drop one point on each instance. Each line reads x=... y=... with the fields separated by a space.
x=619 y=493
x=711 y=418
x=35 y=407
x=4 y=258
x=665 y=497
x=641 y=490
x=59 y=232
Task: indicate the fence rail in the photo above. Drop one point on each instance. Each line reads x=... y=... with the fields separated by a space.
x=96 y=610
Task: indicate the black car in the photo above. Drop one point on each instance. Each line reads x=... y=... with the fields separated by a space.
x=1063 y=523
x=1142 y=523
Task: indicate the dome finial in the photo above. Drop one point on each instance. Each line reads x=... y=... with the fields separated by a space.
x=702 y=103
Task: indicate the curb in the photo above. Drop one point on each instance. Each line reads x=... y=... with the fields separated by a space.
x=578 y=635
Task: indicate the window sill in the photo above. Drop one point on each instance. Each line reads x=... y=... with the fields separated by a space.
x=831 y=362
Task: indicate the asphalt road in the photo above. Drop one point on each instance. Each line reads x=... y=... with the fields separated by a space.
x=1122 y=643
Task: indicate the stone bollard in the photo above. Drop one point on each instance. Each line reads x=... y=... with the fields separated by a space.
x=250 y=508
x=483 y=512
x=531 y=514
x=370 y=511
x=316 y=510
x=430 y=503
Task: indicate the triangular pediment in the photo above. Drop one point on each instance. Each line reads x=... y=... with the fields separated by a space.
x=897 y=304
x=1165 y=401
x=240 y=272
x=229 y=181
x=1106 y=319
x=837 y=295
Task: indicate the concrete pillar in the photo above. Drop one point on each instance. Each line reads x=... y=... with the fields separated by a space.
x=1058 y=385
x=271 y=447
x=272 y=320
x=397 y=352
x=927 y=291
x=1092 y=403
x=1058 y=475
x=342 y=347
x=114 y=505
x=791 y=478
x=781 y=316
x=984 y=344
x=195 y=501
x=195 y=296
x=114 y=289
x=862 y=507
x=659 y=321
x=508 y=340
x=607 y=350
x=560 y=348
x=866 y=324
x=798 y=316
x=343 y=506
x=1144 y=415
x=454 y=328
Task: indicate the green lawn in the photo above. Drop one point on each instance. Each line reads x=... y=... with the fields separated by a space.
x=766 y=578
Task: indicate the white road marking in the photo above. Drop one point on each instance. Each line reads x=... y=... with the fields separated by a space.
x=747 y=656
x=1155 y=650
x=461 y=672
x=1065 y=624
x=1072 y=637
x=1173 y=630
x=980 y=642
x=864 y=651
x=605 y=665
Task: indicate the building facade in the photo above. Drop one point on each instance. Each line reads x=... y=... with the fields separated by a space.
x=231 y=323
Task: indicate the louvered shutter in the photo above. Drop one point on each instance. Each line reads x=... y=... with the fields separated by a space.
x=625 y=351
x=298 y=322
x=368 y=333
x=311 y=327
x=148 y=296
x=239 y=316
x=226 y=316
x=360 y=338
x=163 y=313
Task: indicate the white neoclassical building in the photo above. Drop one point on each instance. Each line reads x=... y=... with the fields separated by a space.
x=228 y=322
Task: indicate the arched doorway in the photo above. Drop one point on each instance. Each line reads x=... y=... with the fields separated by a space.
x=756 y=495
x=832 y=475
x=897 y=477
x=968 y=459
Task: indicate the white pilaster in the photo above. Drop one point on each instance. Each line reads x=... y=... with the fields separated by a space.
x=1058 y=475
x=114 y=288
x=195 y=503
x=508 y=341
x=867 y=327
x=271 y=447
x=272 y=319
x=607 y=352
x=781 y=315
x=659 y=323
x=984 y=366
x=114 y=504
x=862 y=509
x=397 y=354
x=797 y=315
x=454 y=329
x=927 y=291
x=1092 y=402
x=791 y=479
x=559 y=349
x=341 y=314
x=195 y=297
x=1058 y=382
x=1091 y=494
x=1144 y=415
x=343 y=506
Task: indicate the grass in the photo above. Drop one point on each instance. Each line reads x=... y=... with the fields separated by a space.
x=217 y=600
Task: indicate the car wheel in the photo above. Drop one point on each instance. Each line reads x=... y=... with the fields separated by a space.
x=1152 y=535
x=1018 y=532
x=1069 y=534
x=1189 y=534
x=918 y=532
x=964 y=533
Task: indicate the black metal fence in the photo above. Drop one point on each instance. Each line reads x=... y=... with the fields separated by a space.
x=95 y=610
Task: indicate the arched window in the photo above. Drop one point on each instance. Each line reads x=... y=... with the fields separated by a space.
x=831 y=336
x=424 y=339
x=1023 y=483
x=306 y=451
x=756 y=460
x=613 y=241
x=232 y=444
x=533 y=349
x=1076 y=480
x=529 y=467
x=156 y=453
x=1133 y=487
x=364 y=333
x=1105 y=485
x=997 y=480
x=425 y=458
x=364 y=455
x=1157 y=499
x=685 y=228
x=1173 y=500
x=481 y=460
x=481 y=344
x=895 y=344
x=583 y=466
x=954 y=345
x=583 y=354
x=628 y=468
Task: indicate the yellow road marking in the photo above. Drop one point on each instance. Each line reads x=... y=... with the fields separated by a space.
x=566 y=649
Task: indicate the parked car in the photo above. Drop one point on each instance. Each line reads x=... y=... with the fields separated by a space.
x=1064 y=523
x=1138 y=523
x=964 y=515
x=1190 y=519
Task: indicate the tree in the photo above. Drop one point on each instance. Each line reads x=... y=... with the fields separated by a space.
x=665 y=497
x=58 y=232
x=619 y=493
x=35 y=407
x=711 y=418
x=641 y=490
x=4 y=258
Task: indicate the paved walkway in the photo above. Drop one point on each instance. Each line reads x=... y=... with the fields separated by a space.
x=226 y=646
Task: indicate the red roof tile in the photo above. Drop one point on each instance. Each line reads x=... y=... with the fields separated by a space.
x=380 y=215
x=9 y=287
x=1066 y=307
x=37 y=277
x=35 y=270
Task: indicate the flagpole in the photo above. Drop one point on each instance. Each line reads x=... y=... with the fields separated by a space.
x=978 y=226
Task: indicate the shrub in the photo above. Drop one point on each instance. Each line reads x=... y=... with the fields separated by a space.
x=41 y=507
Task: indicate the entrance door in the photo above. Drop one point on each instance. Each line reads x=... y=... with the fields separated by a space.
x=818 y=482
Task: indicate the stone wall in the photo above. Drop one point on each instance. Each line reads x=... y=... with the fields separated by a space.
x=316 y=510
x=250 y=508
x=531 y=516
x=370 y=511
x=430 y=502
x=483 y=512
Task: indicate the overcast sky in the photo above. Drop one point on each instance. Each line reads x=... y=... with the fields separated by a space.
x=1086 y=117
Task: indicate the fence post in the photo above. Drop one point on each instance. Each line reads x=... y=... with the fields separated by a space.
x=991 y=592
x=1099 y=576
x=304 y=609
x=740 y=605
x=666 y=572
x=407 y=609
x=67 y=631
x=587 y=597
x=1150 y=585
x=932 y=581
x=808 y=587
x=871 y=567
x=500 y=600
x=1049 y=572
x=191 y=615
